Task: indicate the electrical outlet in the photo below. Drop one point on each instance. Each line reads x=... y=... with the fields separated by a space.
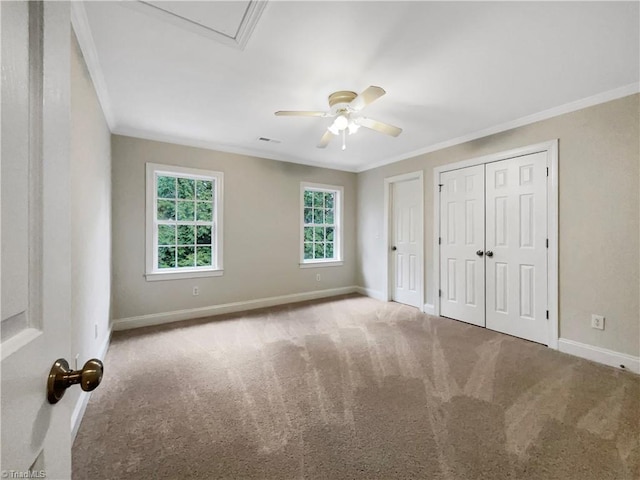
x=597 y=321
x=196 y=291
x=318 y=277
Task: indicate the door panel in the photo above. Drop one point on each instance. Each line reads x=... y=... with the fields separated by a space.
x=516 y=216
x=462 y=230
x=407 y=228
x=35 y=39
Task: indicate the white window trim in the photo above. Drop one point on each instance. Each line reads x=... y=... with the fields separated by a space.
x=151 y=273
x=338 y=220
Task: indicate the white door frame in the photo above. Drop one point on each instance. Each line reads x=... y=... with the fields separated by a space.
x=551 y=148
x=388 y=212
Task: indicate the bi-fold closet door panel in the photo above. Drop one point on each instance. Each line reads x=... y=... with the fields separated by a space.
x=462 y=245
x=493 y=255
x=516 y=233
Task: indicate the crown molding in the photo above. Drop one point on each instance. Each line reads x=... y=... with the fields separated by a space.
x=80 y=23
x=599 y=98
x=222 y=147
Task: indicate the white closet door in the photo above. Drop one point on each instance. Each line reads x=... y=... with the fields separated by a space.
x=516 y=233
x=462 y=265
x=407 y=228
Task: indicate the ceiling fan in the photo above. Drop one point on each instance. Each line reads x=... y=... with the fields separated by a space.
x=345 y=106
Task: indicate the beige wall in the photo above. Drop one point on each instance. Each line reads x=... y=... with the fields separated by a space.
x=90 y=216
x=261 y=230
x=599 y=162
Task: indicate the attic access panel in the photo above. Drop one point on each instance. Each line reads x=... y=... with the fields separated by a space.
x=230 y=23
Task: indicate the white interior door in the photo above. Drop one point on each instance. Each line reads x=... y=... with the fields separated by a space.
x=462 y=266
x=516 y=234
x=35 y=229
x=406 y=232
x=500 y=210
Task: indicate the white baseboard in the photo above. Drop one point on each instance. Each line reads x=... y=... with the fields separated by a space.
x=83 y=399
x=178 y=315
x=367 y=292
x=429 y=309
x=600 y=355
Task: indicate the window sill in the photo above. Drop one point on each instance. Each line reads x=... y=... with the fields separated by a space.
x=321 y=264
x=159 y=276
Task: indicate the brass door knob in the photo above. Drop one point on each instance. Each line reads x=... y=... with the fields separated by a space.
x=62 y=377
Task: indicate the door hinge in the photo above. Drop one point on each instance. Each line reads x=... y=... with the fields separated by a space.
x=439 y=240
x=439 y=293
x=547 y=171
x=440 y=185
x=547 y=314
x=547 y=243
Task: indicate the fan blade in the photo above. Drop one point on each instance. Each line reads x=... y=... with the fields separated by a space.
x=370 y=95
x=326 y=138
x=380 y=127
x=301 y=113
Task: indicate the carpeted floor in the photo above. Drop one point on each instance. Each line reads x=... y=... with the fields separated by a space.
x=353 y=388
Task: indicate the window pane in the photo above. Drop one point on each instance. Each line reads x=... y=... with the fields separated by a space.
x=308 y=251
x=308 y=198
x=166 y=210
x=204 y=189
x=318 y=215
x=204 y=235
x=328 y=199
x=328 y=216
x=204 y=212
x=203 y=256
x=308 y=234
x=320 y=223
x=308 y=215
x=329 y=234
x=166 y=257
x=185 y=211
x=186 y=188
x=329 y=250
x=166 y=235
x=186 y=256
x=166 y=187
x=186 y=235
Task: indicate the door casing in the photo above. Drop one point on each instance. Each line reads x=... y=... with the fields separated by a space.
x=551 y=149
x=387 y=233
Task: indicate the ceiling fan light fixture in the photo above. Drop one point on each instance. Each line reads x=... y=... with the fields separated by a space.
x=341 y=122
x=345 y=106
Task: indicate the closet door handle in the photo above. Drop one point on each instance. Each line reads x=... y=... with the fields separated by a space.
x=489 y=253
x=479 y=253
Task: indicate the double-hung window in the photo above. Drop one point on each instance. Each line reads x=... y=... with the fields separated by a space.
x=321 y=229
x=184 y=222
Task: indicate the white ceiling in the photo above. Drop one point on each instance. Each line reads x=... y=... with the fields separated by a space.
x=452 y=70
